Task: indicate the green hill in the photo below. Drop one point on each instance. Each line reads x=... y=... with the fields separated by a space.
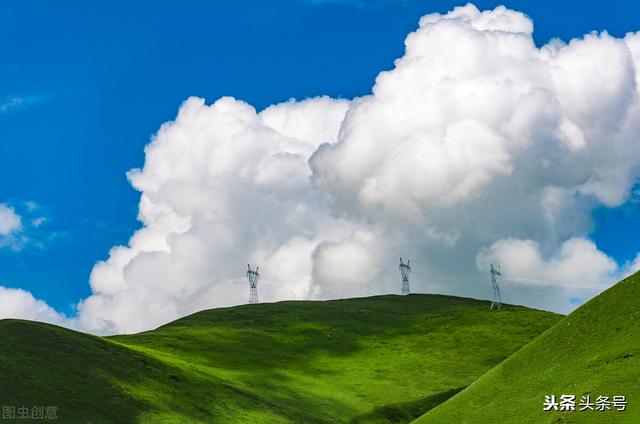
x=377 y=359
x=594 y=351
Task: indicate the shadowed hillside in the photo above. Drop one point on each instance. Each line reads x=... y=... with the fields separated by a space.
x=377 y=359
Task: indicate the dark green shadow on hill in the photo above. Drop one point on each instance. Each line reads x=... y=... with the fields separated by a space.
x=287 y=334
x=45 y=365
x=90 y=379
x=404 y=412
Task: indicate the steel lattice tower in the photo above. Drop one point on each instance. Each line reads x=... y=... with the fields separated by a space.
x=405 y=270
x=497 y=301
x=253 y=277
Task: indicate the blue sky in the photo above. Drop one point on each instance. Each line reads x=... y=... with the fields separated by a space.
x=83 y=86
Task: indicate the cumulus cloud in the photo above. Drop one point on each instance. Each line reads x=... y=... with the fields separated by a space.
x=576 y=268
x=222 y=185
x=478 y=146
x=475 y=136
x=577 y=262
x=20 y=304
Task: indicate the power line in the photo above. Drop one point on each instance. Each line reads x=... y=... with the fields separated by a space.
x=222 y=294
x=508 y=278
x=547 y=283
x=226 y=291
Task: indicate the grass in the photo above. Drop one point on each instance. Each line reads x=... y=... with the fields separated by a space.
x=381 y=359
x=593 y=351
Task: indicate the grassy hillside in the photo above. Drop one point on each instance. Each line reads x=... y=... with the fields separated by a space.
x=594 y=351
x=378 y=359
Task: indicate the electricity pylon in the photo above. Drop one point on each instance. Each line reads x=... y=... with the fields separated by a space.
x=253 y=277
x=405 y=270
x=497 y=301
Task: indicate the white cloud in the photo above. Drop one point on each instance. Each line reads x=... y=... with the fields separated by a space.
x=10 y=221
x=38 y=222
x=480 y=135
x=20 y=304
x=31 y=205
x=630 y=267
x=577 y=267
x=477 y=146
x=222 y=186
x=468 y=106
x=20 y=229
x=346 y=266
x=10 y=228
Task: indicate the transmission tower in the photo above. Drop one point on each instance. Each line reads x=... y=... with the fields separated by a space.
x=253 y=277
x=496 y=302
x=405 y=270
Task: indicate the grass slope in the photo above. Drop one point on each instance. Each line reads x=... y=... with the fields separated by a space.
x=378 y=359
x=593 y=351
